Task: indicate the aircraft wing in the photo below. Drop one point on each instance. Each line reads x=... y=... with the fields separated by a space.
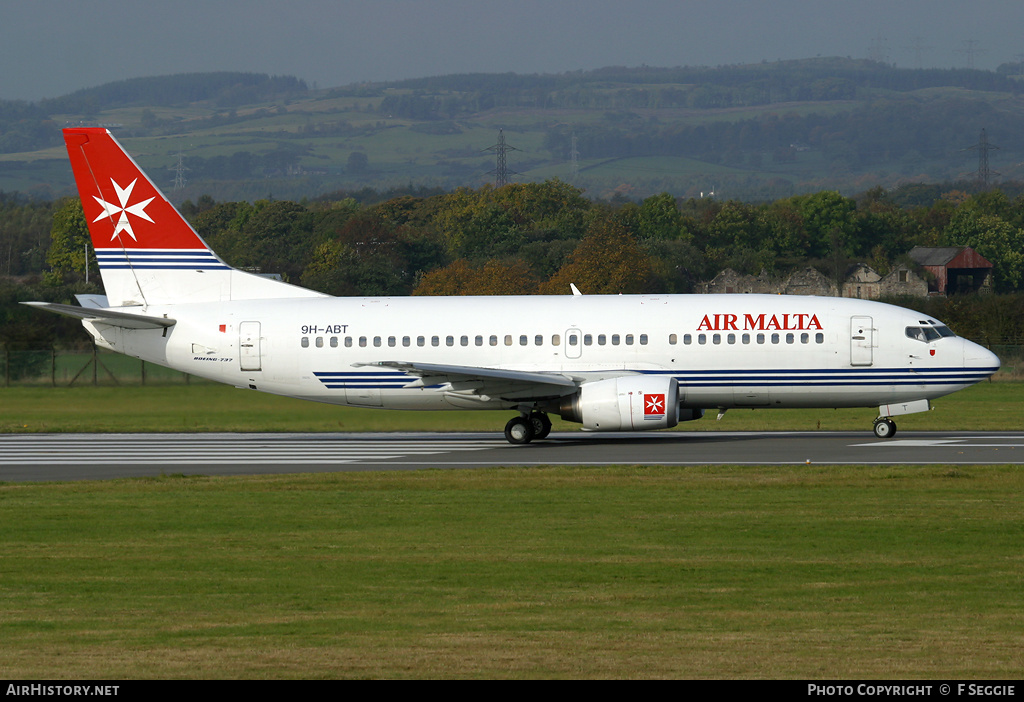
x=104 y=316
x=496 y=382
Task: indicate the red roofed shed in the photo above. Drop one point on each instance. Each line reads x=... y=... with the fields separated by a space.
x=956 y=268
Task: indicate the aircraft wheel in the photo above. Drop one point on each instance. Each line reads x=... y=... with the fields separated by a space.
x=519 y=430
x=885 y=428
x=541 y=425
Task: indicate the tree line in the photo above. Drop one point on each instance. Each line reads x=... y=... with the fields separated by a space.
x=535 y=238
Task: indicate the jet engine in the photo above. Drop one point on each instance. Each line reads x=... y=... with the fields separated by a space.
x=627 y=403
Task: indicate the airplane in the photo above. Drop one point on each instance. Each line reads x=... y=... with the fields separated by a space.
x=609 y=362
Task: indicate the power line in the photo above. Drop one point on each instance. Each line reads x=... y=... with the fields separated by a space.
x=983 y=147
x=179 y=173
x=501 y=171
x=970 y=50
x=918 y=48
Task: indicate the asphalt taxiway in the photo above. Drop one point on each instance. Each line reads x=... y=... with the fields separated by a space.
x=47 y=457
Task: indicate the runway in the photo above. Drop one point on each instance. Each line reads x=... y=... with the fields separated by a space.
x=49 y=457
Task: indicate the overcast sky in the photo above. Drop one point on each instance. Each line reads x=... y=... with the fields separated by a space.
x=52 y=47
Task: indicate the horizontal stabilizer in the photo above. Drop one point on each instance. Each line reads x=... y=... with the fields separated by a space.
x=94 y=301
x=125 y=320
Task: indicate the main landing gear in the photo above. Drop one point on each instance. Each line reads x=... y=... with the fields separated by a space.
x=527 y=427
x=885 y=428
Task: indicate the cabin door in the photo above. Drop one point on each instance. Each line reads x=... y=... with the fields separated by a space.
x=249 y=355
x=862 y=341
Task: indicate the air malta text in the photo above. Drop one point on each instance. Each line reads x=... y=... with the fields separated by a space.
x=759 y=322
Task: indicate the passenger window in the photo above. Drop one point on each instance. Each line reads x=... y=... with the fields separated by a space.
x=464 y=341
x=731 y=338
x=615 y=339
x=319 y=342
x=493 y=340
x=421 y=341
x=435 y=341
x=508 y=340
x=716 y=339
x=362 y=341
x=556 y=339
x=449 y=341
x=376 y=341
x=406 y=341
x=602 y=339
x=392 y=341
x=588 y=339
x=334 y=342
x=687 y=339
x=643 y=340
x=805 y=338
x=819 y=338
x=702 y=339
x=629 y=339
x=479 y=340
x=348 y=342
x=746 y=338
x=305 y=342
x=538 y=340
x=790 y=338
x=760 y=338
x=523 y=340
x=775 y=338
x=672 y=339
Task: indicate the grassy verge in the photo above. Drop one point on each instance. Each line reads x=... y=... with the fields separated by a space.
x=804 y=572
x=206 y=407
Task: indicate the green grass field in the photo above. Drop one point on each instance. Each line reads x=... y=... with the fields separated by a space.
x=993 y=406
x=706 y=572
x=554 y=572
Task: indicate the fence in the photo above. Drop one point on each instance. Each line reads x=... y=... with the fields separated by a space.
x=101 y=367
x=89 y=367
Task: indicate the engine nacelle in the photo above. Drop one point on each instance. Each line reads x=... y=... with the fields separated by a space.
x=689 y=414
x=627 y=403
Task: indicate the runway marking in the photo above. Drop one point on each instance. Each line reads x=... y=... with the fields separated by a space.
x=967 y=442
x=217 y=450
x=899 y=443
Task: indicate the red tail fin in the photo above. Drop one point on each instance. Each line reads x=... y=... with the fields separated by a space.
x=148 y=253
x=124 y=209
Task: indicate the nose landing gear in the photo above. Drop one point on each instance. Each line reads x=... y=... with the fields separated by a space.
x=885 y=428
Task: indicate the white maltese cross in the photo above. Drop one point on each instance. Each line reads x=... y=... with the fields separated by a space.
x=124 y=209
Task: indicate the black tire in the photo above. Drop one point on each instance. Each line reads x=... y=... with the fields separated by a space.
x=885 y=428
x=519 y=430
x=541 y=425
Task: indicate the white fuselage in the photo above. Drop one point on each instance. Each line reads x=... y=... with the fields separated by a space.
x=724 y=351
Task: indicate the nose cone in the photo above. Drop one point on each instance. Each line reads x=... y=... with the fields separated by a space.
x=980 y=359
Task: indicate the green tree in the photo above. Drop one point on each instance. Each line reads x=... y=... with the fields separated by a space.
x=829 y=220
x=997 y=240
x=473 y=226
x=70 y=246
x=658 y=219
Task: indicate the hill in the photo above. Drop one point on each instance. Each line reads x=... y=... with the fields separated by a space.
x=755 y=132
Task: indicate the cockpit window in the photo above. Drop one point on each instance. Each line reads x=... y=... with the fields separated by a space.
x=926 y=334
x=943 y=330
